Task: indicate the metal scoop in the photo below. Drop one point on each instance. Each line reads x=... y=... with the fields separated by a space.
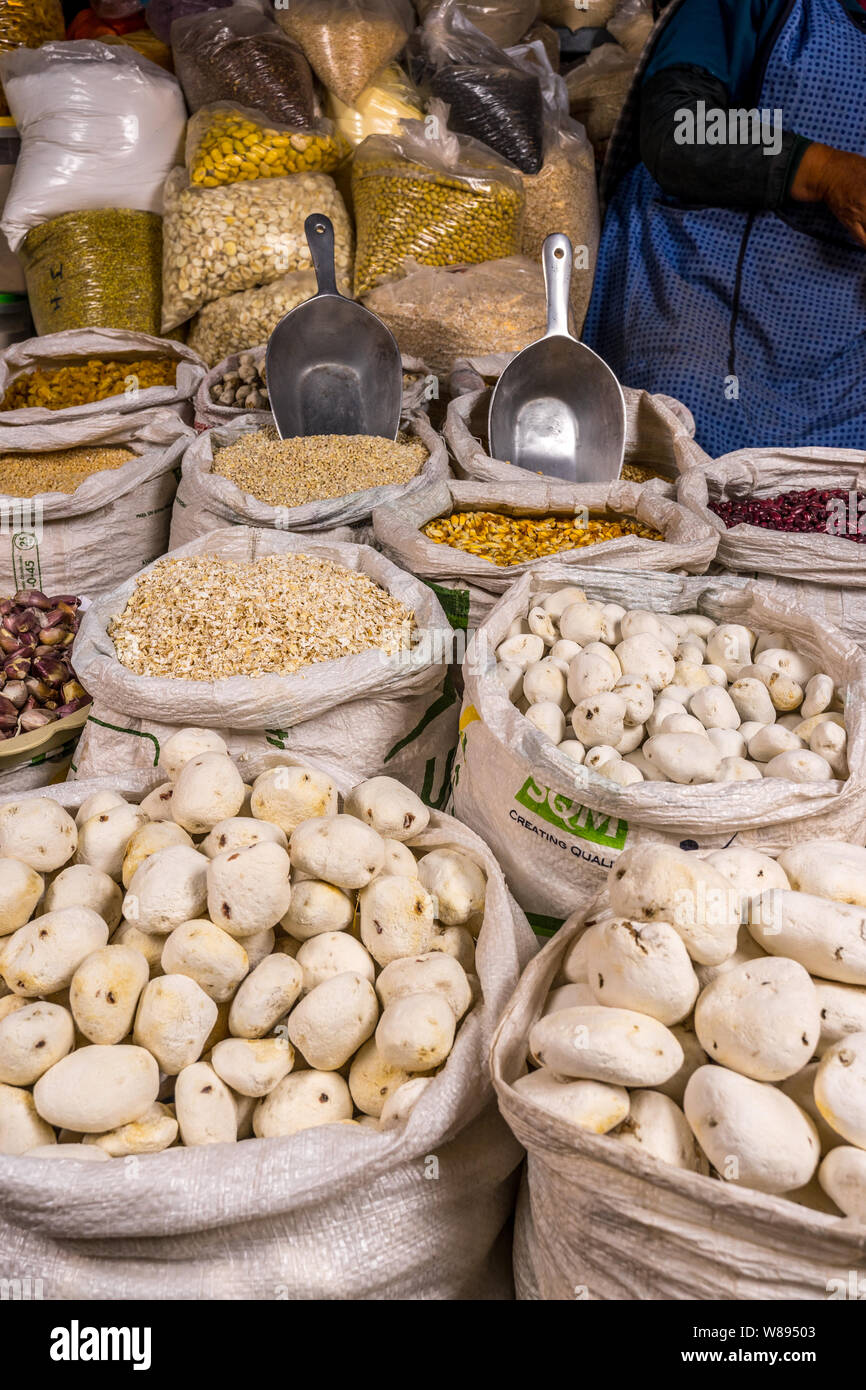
x=558 y=408
x=332 y=366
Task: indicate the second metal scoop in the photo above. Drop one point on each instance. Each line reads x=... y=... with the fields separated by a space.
x=558 y=409
x=332 y=366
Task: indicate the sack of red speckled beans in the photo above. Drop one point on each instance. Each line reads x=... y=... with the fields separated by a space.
x=794 y=515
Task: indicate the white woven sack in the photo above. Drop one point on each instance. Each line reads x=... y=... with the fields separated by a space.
x=116 y=522
x=209 y=413
x=207 y=502
x=77 y=345
x=397 y=528
x=557 y=828
x=372 y=713
x=596 y=1220
x=419 y=1212
x=658 y=431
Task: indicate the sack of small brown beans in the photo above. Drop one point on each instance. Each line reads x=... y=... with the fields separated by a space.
x=210 y=497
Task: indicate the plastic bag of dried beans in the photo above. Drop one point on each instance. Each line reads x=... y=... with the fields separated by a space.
x=233 y=144
x=490 y=96
x=392 y=714
x=240 y=55
x=347 y=42
x=433 y=197
x=401 y=533
x=207 y=501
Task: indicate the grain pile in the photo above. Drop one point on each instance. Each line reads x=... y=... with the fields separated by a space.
x=510 y=540
x=57 y=470
x=79 y=383
x=202 y=618
x=289 y=472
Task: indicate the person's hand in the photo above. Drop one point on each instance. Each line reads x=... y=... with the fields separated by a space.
x=837 y=179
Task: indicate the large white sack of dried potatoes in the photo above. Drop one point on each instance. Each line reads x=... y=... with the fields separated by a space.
x=422 y=1211
x=596 y=1220
x=556 y=828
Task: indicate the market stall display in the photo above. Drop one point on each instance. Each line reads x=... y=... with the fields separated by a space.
x=739 y=960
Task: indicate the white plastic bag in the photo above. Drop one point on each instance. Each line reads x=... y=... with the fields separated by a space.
x=100 y=126
x=207 y=502
x=89 y=541
x=557 y=828
x=393 y=715
x=417 y=1212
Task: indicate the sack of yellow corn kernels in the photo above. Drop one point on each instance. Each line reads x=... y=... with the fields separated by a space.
x=659 y=431
x=475 y=539
x=82 y=373
x=228 y=144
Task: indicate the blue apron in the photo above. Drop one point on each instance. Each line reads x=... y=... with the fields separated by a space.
x=756 y=321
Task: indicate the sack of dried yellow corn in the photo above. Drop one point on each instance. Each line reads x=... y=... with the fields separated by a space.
x=278 y=641
x=474 y=539
x=659 y=430
x=82 y=373
x=234 y=144
x=238 y=386
x=86 y=503
x=244 y=474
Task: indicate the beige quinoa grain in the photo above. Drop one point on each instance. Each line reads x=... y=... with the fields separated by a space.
x=202 y=618
x=289 y=472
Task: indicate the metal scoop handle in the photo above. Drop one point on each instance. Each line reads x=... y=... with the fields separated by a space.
x=557 y=260
x=319 y=230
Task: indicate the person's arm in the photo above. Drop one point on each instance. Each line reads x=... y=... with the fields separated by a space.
x=837 y=179
x=725 y=175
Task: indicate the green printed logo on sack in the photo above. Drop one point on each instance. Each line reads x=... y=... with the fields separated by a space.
x=570 y=816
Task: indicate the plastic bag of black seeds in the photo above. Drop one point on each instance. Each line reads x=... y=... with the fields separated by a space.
x=491 y=97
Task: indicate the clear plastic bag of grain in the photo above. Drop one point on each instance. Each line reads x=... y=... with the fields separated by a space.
x=464 y=311
x=434 y=197
x=563 y=197
x=503 y=21
x=241 y=235
x=347 y=42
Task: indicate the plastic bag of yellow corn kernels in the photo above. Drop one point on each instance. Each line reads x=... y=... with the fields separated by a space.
x=227 y=143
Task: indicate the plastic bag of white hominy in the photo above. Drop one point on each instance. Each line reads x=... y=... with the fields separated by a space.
x=58 y=350
x=597 y=1220
x=399 y=529
x=557 y=828
x=372 y=712
x=206 y=501
x=422 y=1211
x=116 y=521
